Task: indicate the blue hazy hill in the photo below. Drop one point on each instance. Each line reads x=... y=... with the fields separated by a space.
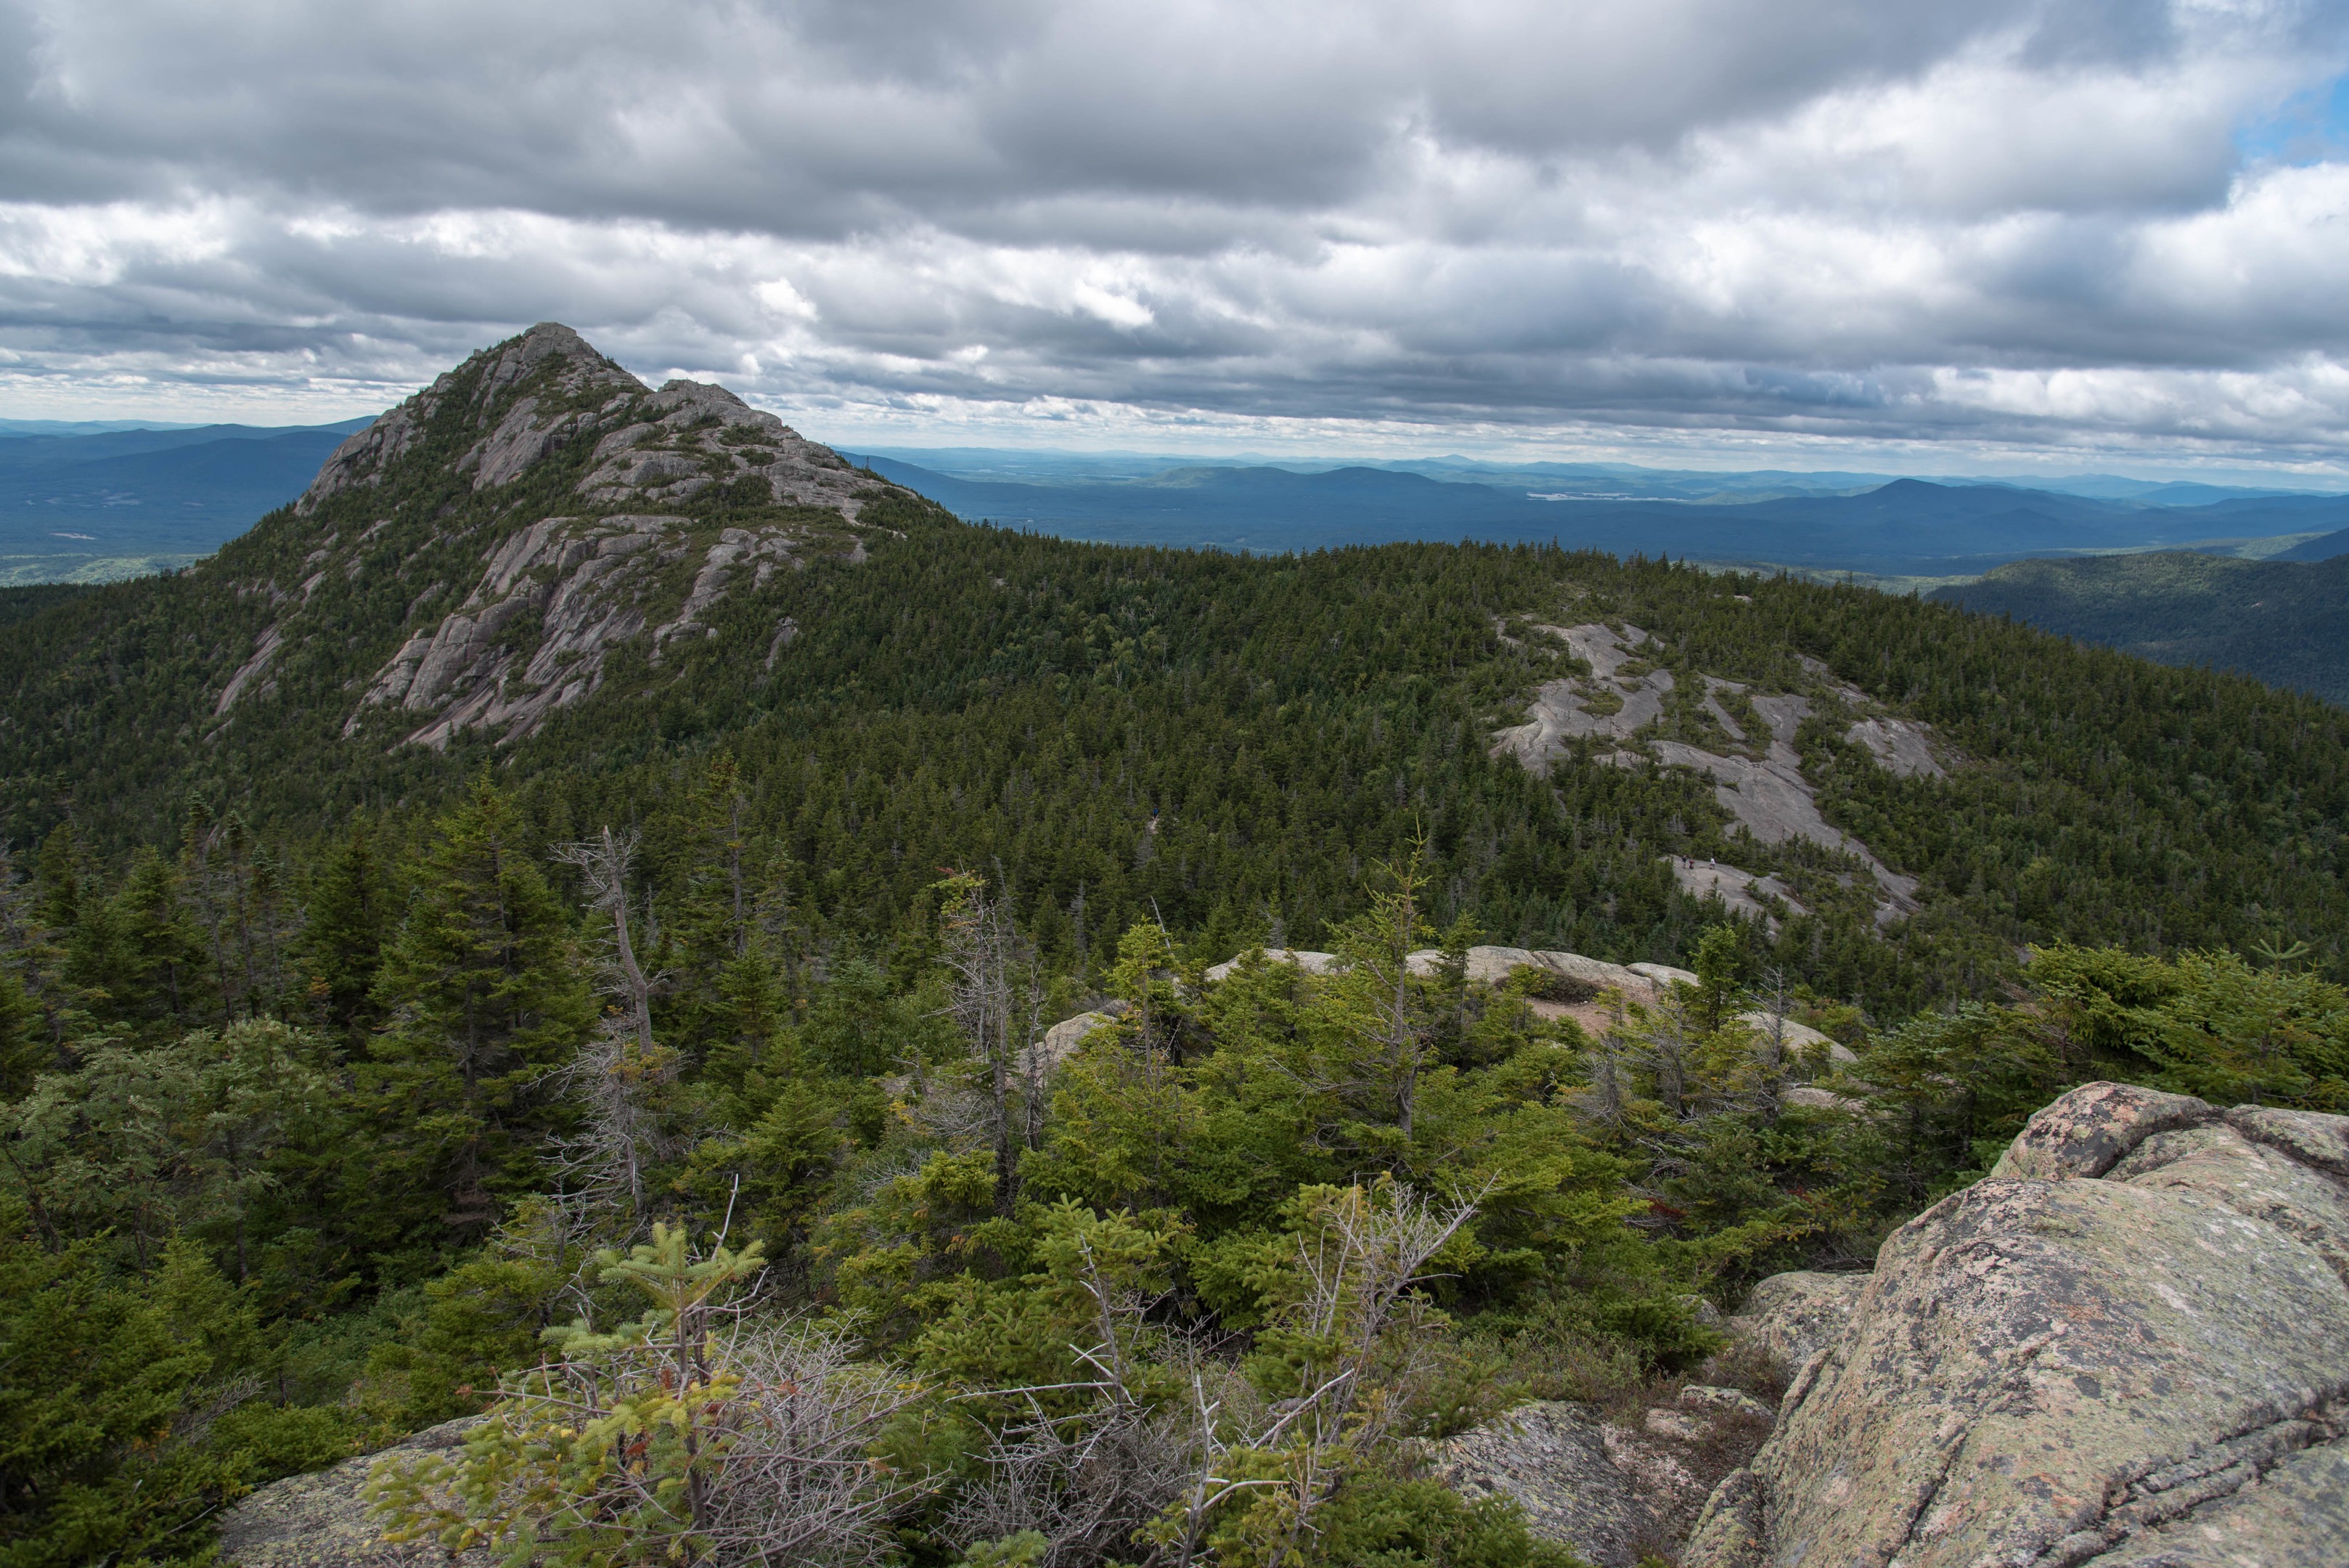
x=2324 y=548
x=104 y=502
x=1901 y=528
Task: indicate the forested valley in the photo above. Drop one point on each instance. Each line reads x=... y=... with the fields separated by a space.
x=672 y=1078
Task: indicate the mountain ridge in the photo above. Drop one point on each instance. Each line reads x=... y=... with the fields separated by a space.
x=556 y=592
x=1904 y=527
x=2282 y=621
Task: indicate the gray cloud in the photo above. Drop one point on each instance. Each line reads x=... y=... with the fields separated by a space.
x=1999 y=221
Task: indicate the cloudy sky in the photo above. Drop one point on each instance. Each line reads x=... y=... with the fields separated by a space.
x=1807 y=232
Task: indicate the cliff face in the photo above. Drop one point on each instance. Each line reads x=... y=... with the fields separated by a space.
x=2128 y=1346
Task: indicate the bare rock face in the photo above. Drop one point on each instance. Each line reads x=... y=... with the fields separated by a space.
x=1061 y=1040
x=1900 y=748
x=1612 y=1491
x=1796 y=1316
x=1770 y=795
x=2128 y=1345
x=654 y=479
x=1551 y=1459
x=1741 y=891
x=1309 y=962
x=522 y=437
x=590 y=583
x=697 y=435
x=1757 y=774
x=323 y=1521
x=1615 y=702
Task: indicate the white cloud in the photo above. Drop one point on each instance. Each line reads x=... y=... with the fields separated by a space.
x=1723 y=222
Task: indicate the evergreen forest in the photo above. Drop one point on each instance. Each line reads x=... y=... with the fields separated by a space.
x=2281 y=620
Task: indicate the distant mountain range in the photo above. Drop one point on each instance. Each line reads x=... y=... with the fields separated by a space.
x=88 y=504
x=92 y=501
x=1581 y=481
x=1881 y=528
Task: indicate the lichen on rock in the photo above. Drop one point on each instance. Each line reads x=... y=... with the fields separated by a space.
x=1551 y=1459
x=324 y=1520
x=2129 y=1344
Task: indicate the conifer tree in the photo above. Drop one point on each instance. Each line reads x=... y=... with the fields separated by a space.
x=485 y=998
x=342 y=939
x=713 y=917
x=57 y=879
x=162 y=974
x=36 y=965
x=22 y=1052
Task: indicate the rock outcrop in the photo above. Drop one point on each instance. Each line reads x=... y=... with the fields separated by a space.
x=1550 y=1460
x=2128 y=1346
x=1309 y=962
x=1593 y=993
x=694 y=435
x=1900 y=748
x=1491 y=966
x=322 y=1520
x=1613 y=1491
x=1741 y=891
x=1623 y=696
x=585 y=585
x=525 y=433
x=1757 y=774
x=1796 y=1316
x=1061 y=1040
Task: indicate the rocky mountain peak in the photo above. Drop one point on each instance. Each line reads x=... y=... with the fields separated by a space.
x=550 y=354
x=541 y=505
x=511 y=361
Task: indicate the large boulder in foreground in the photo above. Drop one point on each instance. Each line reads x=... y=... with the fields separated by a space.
x=2128 y=1346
